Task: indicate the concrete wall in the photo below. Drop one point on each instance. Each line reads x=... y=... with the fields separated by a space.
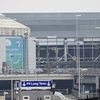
x=2 y=52
x=31 y=54
x=34 y=95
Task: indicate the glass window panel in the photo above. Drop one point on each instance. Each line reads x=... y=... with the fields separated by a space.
x=88 y=52
x=96 y=52
x=81 y=52
x=52 y=53
x=43 y=53
x=70 y=52
x=60 y=52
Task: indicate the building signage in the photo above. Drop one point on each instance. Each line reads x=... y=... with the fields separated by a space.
x=14 y=52
x=35 y=84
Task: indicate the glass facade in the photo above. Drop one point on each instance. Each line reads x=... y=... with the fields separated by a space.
x=65 y=51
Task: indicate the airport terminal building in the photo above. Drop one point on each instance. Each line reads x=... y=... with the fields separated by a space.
x=59 y=39
x=58 y=35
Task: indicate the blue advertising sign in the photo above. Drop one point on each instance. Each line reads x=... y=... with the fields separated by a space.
x=28 y=85
x=14 y=52
x=36 y=84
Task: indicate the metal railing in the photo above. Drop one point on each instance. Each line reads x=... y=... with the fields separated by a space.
x=84 y=71
x=40 y=71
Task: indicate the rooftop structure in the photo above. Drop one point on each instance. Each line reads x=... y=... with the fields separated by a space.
x=9 y=26
x=59 y=24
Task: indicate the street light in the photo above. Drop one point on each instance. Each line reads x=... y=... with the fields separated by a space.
x=78 y=52
x=11 y=57
x=97 y=28
x=97 y=77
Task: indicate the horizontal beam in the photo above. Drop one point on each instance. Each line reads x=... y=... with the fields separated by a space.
x=36 y=76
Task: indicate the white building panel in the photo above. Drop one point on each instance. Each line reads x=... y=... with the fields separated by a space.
x=11 y=27
x=31 y=54
x=2 y=52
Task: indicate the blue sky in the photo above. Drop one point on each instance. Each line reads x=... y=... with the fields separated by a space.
x=49 y=6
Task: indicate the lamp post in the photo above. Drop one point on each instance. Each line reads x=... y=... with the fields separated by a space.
x=97 y=77
x=11 y=57
x=78 y=53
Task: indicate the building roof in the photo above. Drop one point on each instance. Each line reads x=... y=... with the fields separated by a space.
x=10 y=23
x=60 y=24
x=10 y=26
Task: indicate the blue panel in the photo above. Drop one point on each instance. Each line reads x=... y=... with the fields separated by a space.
x=35 y=83
x=14 y=52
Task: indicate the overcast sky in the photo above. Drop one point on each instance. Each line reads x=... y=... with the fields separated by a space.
x=49 y=6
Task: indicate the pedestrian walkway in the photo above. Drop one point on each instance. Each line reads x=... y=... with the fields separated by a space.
x=65 y=97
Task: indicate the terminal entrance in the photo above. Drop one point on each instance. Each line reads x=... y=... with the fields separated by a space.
x=33 y=90
x=63 y=86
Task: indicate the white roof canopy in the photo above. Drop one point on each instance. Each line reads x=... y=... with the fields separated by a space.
x=11 y=27
x=9 y=23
